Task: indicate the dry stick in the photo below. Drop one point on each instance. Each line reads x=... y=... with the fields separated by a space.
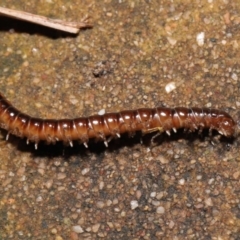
x=71 y=27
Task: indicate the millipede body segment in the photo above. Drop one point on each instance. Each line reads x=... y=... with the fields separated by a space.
x=110 y=125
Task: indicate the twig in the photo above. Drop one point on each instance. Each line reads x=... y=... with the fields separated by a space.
x=71 y=27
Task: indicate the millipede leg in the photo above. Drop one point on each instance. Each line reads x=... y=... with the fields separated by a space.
x=7 y=136
x=106 y=143
x=168 y=132
x=118 y=135
x=151 y=130
x=155 y=136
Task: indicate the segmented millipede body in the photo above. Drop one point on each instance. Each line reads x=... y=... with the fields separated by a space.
x=110 y=125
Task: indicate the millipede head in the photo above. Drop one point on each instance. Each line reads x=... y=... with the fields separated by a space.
x=227 y=127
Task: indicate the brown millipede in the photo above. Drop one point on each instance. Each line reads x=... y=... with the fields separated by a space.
x=110 y=125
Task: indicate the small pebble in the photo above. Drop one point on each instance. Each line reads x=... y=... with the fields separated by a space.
x=153 y=194
x=100 y=204
x=101 y=185
x=110 y=224
x=39 y=199
x=156 y=203
x=181 y=181
x=199 y=177
x=134 y=204
x=61 y=176
x=160 y=210
x=236 y=175
x=209 y=202
x=170 y=87
x=49 y=183
x=234 y=76
x=95 y=227
x=54 y=231
x=160 y=195
x=172 y=41
x=171 y=224
x=211 y=181
x=117 y=209
x=85 y=171
x=101 y=112
x=200 y=38
x=77 y=229
x=138 y=194
x=58 y=238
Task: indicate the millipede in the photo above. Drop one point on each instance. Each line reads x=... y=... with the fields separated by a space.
x=111 y=125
